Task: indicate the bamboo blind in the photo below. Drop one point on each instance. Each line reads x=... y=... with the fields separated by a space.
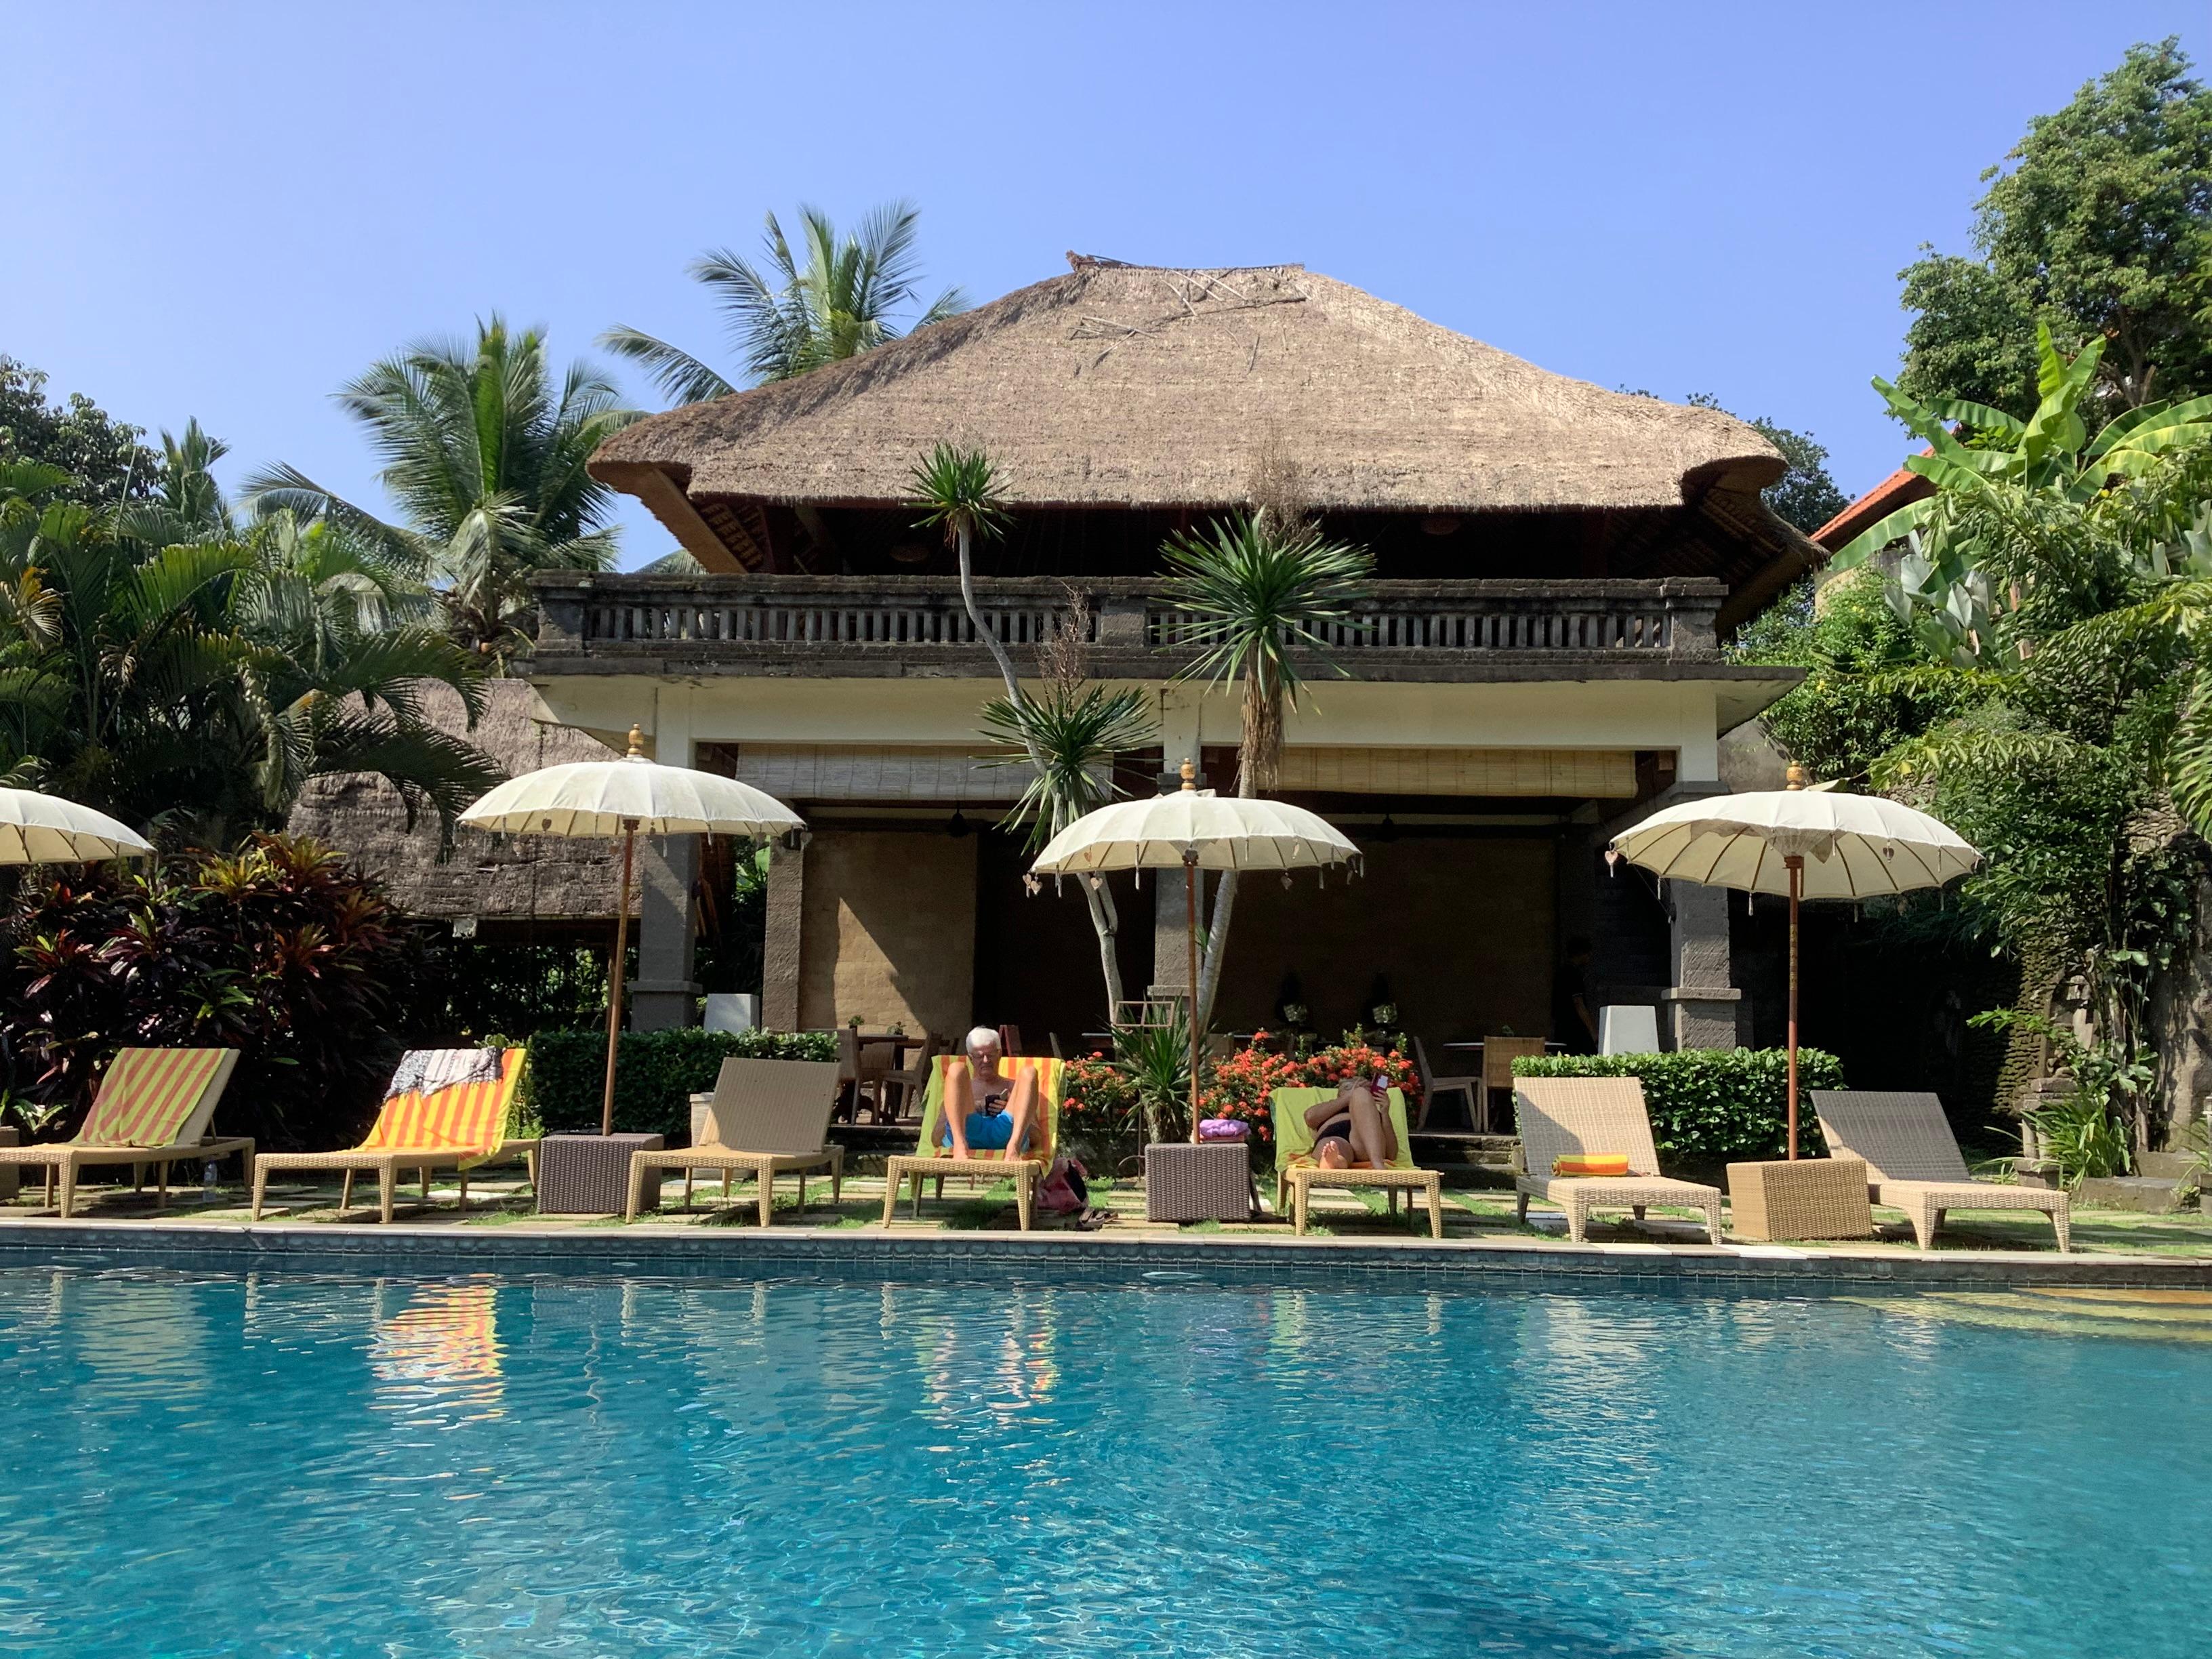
x=1605 y=774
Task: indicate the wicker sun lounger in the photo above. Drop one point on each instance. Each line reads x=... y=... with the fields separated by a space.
x=1573 y=1117
x=152 y=1110
x=768 y=1116
x=1914 y=1164
x=932 y=1158
x=454 y=1127
x=1297 y=1173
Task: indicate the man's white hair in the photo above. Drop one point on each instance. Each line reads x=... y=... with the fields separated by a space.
x=982 y=1036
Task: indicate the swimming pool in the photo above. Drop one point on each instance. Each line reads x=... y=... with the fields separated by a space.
x=338 y=1467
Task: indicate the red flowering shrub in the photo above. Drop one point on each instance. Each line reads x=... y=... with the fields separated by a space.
x=1239 y=1087
x=1095 y=1099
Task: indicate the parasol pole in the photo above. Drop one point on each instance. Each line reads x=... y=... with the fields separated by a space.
x=1190 y=941
x=1795 y=863
x=615 y=977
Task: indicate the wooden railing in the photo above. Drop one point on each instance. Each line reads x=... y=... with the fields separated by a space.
x=710 y=616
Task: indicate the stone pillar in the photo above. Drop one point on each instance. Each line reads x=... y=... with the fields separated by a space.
x=664 y=993
x=1702 y=1000
x=786 y=926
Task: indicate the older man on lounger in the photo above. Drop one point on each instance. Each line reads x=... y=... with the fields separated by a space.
x=991 y=1103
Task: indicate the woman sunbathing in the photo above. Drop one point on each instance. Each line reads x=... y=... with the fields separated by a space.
x=989 y=1107
x=1354 y=1128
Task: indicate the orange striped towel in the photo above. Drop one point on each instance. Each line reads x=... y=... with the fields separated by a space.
x=1591 y=1163
x=148 y=1094
x=468 y=1116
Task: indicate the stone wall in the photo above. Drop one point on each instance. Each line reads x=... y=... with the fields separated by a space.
x=888 y=931
x=1462 y=927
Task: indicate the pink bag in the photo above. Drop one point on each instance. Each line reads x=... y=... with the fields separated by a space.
x=1222 y=1128
x=1058 y=1195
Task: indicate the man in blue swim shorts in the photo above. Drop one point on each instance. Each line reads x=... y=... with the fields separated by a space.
x=989 y=1107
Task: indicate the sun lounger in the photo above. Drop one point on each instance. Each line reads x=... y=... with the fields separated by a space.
x=448 y=1109
x=153 y=1109
x=1913 y=1163
x=769 y=1116
x=1579 y=1116
x=932 y=1158
x=1297 y=1172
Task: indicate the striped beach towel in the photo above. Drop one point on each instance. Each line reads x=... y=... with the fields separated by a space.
x=151 y=1096
x=468 y=1115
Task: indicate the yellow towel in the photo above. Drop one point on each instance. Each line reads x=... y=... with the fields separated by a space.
x=1591 y=1164
x=468 y=1117
x=147 y=1096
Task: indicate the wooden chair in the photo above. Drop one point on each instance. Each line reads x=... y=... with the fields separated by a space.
x=911 y=1083
x=1498 y=1054
x=1432 y=1086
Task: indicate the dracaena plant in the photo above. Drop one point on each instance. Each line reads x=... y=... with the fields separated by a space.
x=1257 y=593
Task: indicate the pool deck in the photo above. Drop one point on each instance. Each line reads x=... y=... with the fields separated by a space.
x=1662 y=1254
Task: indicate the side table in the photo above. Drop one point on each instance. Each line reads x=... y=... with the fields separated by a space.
x=1810 y=1197
x=588 y=1175
x=1201 y=1180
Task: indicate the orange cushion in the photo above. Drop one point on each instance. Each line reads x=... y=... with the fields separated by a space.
x=1592 y=1164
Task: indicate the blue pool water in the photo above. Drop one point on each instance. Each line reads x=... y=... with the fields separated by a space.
x=295 y=1466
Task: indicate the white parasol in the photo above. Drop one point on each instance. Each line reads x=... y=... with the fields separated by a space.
x=1194 y=829
x=36 y=828
x=1799 y=843
x=627 y=797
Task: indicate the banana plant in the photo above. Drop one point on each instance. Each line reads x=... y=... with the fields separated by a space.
x=2051 y=450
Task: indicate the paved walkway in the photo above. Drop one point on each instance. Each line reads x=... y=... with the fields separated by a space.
x=1482 y=1216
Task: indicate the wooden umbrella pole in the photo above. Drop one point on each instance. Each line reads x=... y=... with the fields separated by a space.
x=1190 y=939
x=1795 y=864
x=615 y=978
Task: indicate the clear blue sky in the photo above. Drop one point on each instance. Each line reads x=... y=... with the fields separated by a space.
x=229 y=211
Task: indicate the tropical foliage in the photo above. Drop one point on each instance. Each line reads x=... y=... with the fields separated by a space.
x=1069 y=734
x=830 y=298
x=1254 y=593
x=2049 y=458
x=282 y=952
x=101 y=458
x=2030 y=669
x=2101 y=228
x=188 y=674
x=485 y=454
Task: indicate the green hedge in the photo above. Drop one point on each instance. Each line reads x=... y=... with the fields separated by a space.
x=1711 y=1106
x=656 y=1074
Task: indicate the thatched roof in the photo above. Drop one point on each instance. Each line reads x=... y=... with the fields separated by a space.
x=1141 y=386
x=495 y=878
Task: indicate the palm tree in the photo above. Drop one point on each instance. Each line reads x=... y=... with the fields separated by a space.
x=836 y=302
x=486 y=459
x=191 y=687
x=959 y=494
x=1069 y=736
x=1257 y=590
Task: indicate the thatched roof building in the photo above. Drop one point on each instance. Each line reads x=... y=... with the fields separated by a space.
x=511 y=883
x=1153 y=393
